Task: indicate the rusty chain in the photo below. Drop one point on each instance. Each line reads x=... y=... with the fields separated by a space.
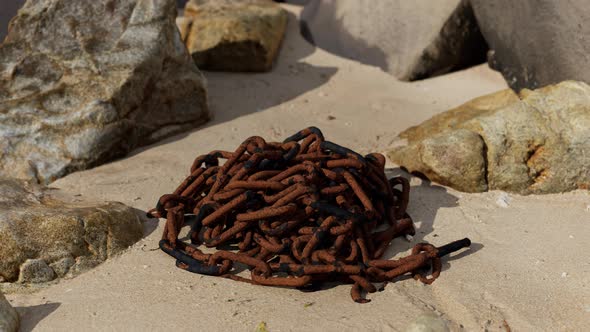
x=296 y=213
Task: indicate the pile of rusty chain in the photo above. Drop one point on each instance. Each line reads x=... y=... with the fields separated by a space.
x=296 y=213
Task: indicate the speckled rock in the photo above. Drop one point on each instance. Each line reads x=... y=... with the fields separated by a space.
x=44 y=237
x=35 y=271
x=62 y=266
x=536 y=42
x=536 y=142
x=83 y=82
x=9 y=320
x=233 y=35
x=410 y=39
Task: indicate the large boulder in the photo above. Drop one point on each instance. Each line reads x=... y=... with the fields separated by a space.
x=44 y=237
x=409 y=39
x=233 y=35
x=83 y=82
x=536 y=142
x=9 y=320
x=536 y=42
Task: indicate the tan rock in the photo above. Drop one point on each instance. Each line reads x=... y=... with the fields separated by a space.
x=453 y=118
x=233 y=35
x=9 y=320
x=534 y=144
x=44 y=237
x=83 y=82
x=452 y=158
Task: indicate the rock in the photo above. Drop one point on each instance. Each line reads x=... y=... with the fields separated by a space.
x=536 y=42
x=35 y=271
x=83 y=82
x=409 y=39
x=44 y=237
x=536 y=142
x=454 y=159
x=234 y=35
x=9 y=320
x=62 y=266
x=428 y=323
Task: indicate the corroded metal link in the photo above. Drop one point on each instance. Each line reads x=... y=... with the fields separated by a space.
x=301 y=212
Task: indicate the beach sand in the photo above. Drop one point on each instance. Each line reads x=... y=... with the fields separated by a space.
x=527 y=268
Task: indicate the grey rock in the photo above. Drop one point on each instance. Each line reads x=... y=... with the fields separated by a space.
x=9 y=320
x=536 y=142
x=83 y=82
x=44 y=237
x=62 y=266
x=409 y=39
x=536 y=42
x=35 y=271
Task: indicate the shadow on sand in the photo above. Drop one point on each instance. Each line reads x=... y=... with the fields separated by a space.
x=426 y=200
x=149 y=224
x=31 y=316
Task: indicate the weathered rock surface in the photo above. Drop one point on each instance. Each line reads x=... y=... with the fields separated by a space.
x=82 y=82
x=536 y=42
x=44 y=237
x=409 y=39
x=233 y=35
x=536 y=142
x=9 y=320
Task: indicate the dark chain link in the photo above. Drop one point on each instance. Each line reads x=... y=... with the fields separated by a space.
x=296 y=213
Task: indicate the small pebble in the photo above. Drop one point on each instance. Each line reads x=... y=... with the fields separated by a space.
x=564 y=275
x=427 y=323
x=503 y=200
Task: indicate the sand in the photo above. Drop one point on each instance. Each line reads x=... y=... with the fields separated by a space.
x=527 y=268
